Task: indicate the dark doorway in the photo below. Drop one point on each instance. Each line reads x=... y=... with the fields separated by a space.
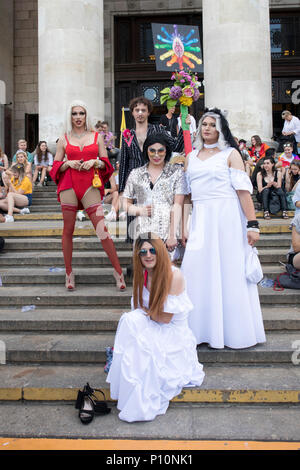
x=31 y=131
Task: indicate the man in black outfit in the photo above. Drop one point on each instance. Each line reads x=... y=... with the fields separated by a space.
x=169 y=122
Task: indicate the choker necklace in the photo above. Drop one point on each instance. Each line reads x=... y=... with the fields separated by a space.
x=211 y=147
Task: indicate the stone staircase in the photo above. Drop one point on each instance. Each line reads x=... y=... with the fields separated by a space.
x=57 y=346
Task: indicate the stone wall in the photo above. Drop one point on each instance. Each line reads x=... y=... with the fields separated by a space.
x=6 y=70
x=25 y=64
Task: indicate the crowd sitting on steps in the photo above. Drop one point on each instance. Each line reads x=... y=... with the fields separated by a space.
x=18 y=179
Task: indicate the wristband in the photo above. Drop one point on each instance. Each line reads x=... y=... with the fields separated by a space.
x=253 y=229
x=252 y=223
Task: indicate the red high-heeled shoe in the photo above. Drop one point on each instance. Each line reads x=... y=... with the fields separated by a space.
x=120 y=282
x=70 y=281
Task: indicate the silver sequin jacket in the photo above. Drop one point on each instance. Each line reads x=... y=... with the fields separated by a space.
x=170 y=182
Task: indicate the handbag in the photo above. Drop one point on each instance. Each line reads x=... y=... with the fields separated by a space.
x=97 y=183
x=288 y=280
x=254 y=271
x=274 y=202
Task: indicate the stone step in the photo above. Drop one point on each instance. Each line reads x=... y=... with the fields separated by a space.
x=45 y=201
x=184 y=426
x=82 y=296
x=54 y=244
x=45 y=190
x=260 y=214
x=55 y=275
x=50 y=225
x=273 y=255
x=101 y=319
x=229 y=383
x=281 y=241
x=26 y=348
x=101 y=295
x=55 y=258
x=85 y=274
x=98 y=257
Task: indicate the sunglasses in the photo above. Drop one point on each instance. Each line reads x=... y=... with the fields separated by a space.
x=160 y=151
x=80 y=113
x=143 y=251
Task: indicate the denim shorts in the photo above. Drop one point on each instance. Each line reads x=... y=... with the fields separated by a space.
x=29 y=197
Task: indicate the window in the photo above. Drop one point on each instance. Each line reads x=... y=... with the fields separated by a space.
x=285 y=37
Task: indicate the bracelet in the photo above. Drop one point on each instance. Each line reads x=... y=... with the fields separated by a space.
x=253 y=229
x=252 y=223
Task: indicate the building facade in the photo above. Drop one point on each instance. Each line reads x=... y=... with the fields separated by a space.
x=102 y=52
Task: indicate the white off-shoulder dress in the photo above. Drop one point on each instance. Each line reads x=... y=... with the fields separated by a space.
x=153 y=361
x=226 y=308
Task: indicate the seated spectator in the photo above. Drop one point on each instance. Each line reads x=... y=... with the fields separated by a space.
x=248 y=162
x=22 y=145
x=112 y=152
x=112 y=197
x=3 y=166
x=269 y=180
x=19 y=192
x=258 y=148
x=169 y=122
x=290 y=131
x=98 y=126
x=292 y=176
x=43 y=161
x=258 y=166
x=21 y=157
x=285 y=158
x=117 y=205
x=294 y=253
x=179 y=159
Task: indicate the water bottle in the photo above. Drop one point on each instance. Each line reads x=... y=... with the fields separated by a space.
x=26 y=308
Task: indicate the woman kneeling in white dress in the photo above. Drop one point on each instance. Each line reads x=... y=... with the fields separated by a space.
x=155 y=350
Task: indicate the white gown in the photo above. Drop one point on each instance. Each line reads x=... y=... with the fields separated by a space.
x=226 y=306
x=153 y=361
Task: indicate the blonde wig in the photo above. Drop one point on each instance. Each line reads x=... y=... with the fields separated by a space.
x=68 y=122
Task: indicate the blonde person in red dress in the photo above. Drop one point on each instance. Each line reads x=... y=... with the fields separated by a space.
x=79 y=153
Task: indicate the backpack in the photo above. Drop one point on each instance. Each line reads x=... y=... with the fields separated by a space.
x=274 y=202
x=288 y=280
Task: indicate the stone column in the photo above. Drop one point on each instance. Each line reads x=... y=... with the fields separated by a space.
x=237 y=64
x=71 y=61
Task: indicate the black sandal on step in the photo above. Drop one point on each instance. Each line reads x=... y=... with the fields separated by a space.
x=285 y=215
x=88 y=405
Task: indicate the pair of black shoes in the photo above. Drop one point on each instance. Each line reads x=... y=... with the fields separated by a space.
x=89 y=406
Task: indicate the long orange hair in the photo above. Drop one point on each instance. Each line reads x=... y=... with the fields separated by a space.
x=162 y=275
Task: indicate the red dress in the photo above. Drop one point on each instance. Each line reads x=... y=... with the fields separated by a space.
x=80 y=181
